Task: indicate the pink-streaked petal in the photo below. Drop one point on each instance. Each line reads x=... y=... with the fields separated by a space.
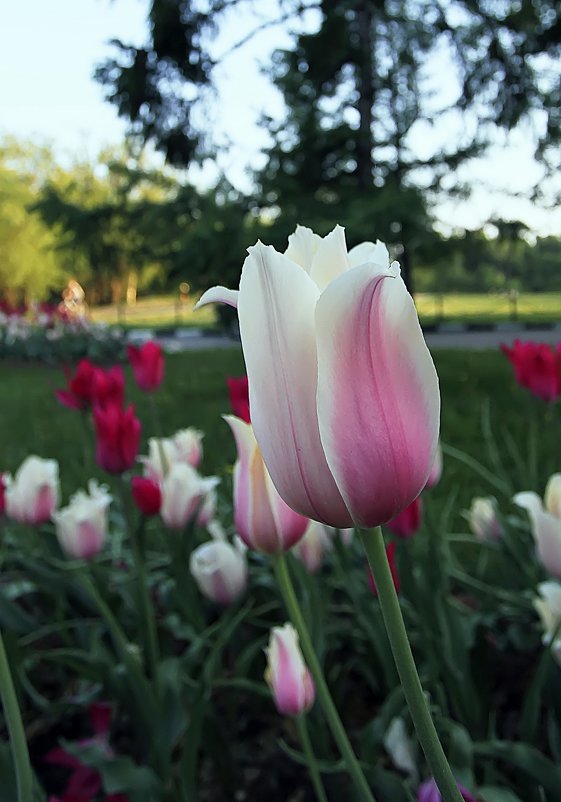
x=378 y=396
x=218 y=295
x=291 y=525
x=330 y=259
x=276 y=313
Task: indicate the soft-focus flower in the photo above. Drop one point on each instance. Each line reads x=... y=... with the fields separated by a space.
x=146 y=494
x=347 y=535
x=262 y=519
x=238 y=390
x=81 y=527
x=400 y=747
x=108 y=387
x=408 y=521
x=32 y=495
x=287 y=675
x=183 y=490
x=548 y=606
x=220 y=571
x=313 y=546
x=79 y=387
x=343 y=391
x=117 y=437
x=546 y=523
x=483 y=519
x=163 y=452
x=537 y=367
x=147 y=364
x=390 y=553
x=2 y=493
x=436 y=470
x=428 y=792
x=207 y=510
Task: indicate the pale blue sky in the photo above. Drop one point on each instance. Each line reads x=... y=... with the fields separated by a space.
x=48 y=52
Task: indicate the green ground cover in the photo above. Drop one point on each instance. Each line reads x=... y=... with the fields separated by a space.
x=166 y=310
x=484 y=414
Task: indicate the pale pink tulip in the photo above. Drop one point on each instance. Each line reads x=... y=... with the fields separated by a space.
x=546 y=523
x=262 y=519
x=343 y=392
x=32 y=496
x=81 y=527
x=483 y=519
x=313 y=547
x=287 y=675
x=183 y=491
x=220 y=570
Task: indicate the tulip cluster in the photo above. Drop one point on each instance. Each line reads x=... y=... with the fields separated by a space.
x=537 y=367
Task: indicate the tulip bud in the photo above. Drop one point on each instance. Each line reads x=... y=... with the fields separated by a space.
x=262 y=519
x=401 y=749
x=313 y=546
x=341 y=383
x=552 y=495
x=182 y=493
x=483 y=520
x=188 y=446
x=238 y=391
x=33 y=495
x=428 y=792
x=408 y=521
x=79 y=388
x=537 y=367
x=147 y=364
x=207 y=510
x=546 y=525
x=548 y=607
x=81 y=527
x=287 y=675
x=220 y=571
x=163 y=452
x=118 y=437
x=108 y=387
x=146 y=494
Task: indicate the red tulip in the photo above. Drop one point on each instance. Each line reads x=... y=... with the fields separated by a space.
x=390 y=551
x=118 y=437
x=407 y=522
x=537 y=367
x=238 y=391
x=79 y=388
x=146 y=494
x=147 y=364
x=108 y=387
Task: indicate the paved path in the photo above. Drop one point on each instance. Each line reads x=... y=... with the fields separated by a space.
x=191 y=339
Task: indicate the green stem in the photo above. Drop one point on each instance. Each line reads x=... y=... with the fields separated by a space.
x=324 y=696
x=24 y=775
x=315 y=776
x=373 y=543
x=152 y=647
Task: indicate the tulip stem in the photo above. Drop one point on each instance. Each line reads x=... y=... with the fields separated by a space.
x=20 y=754
x=315 y=776
x=323 y=693
x=152 y=648
x=373 y=543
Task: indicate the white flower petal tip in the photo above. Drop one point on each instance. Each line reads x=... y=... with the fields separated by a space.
x=218 y=295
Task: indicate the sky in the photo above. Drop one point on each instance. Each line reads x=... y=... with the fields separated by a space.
x=48 y=53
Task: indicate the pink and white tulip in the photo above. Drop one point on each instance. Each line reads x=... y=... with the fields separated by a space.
x=343 y=391
x=81 y=527
x=313 y=546
x=183 y=491
x=185 y=446
x=548 y=606
x=546 y=523
x=220 y=570
x=287 y=675
x=262 y=519
x=32 y=496
x=436 y=470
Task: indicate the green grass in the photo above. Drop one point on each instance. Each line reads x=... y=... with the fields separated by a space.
x=194 y=394
x=166 y=310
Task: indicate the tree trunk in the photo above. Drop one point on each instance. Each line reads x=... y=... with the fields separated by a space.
x=365 y=89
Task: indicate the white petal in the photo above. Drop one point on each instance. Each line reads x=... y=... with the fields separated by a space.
x=330 y=259
x=218 y=295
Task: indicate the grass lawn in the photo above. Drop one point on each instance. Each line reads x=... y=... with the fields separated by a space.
x=478 y=395
x=166 y=310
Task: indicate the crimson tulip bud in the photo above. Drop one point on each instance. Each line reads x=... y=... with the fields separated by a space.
x=147 y=364
x=79 y=387
x=146 y=494
x=238 y=390
x=408 y=521
x=287 y=675
x=537 y=367
x=108 y=387
x=118 y=437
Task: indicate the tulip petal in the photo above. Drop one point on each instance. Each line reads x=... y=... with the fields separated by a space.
x=378 y=397
x=218 y=295
x=374 y=252
x=529 y=501
x=276 y=313
x=302 y=247
x=330 y=259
